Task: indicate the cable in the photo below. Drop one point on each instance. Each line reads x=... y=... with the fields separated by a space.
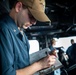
x=64 y=71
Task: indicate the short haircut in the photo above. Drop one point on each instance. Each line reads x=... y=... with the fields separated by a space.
x=52 y=41
x=72 y=40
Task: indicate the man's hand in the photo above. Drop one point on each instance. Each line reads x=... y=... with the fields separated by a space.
x=47 y=61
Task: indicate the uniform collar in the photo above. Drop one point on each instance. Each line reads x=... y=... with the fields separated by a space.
x=12 y=25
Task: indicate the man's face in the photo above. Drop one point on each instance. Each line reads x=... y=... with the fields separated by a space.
x=25 y=19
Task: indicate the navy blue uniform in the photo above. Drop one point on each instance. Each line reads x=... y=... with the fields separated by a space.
x=14 y=52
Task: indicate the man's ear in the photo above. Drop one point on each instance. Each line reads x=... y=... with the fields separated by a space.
x=18 y=6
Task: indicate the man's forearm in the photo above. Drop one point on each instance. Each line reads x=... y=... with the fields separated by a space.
x=30 y=70
x=41 y=64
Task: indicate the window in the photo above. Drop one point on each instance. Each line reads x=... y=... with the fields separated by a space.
x=34 y=46
x=65 y=42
